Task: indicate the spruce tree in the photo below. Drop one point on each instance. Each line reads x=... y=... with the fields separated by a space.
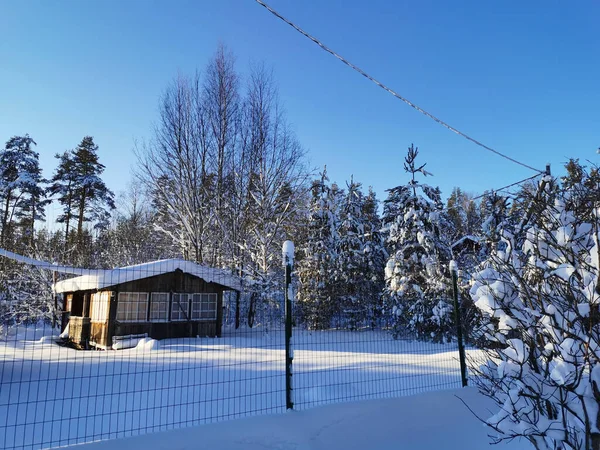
x=317 y=269
x=351 y=260
x=495 y=217
x=457 y=214
x=374 y=259
x=464 y=229
x=417 y=280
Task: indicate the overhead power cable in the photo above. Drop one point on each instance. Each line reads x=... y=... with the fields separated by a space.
x=508 y=186
x=391 y=91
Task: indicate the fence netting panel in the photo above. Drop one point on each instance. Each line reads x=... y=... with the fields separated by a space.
x=340 y=364
x=119 y=353
x=105 y=354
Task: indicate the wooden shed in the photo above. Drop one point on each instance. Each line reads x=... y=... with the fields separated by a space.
x=467 y=244
x=162 y=299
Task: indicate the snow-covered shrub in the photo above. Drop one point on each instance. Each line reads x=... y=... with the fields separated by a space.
x=25 y=295
x=540 y=297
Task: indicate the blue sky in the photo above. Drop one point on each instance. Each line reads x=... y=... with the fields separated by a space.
x=522 y=77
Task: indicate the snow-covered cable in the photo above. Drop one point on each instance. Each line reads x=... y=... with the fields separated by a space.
x=45 y=265
x=391 y=91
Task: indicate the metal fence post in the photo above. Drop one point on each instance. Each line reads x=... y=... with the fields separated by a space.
x=457 y=318
x=288 y=261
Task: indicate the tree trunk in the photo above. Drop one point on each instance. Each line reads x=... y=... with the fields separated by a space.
x=5 y=218
x=80 y=218
x=252 y=309
x=237 y=310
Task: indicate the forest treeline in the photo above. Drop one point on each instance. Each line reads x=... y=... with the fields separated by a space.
x=223 y=181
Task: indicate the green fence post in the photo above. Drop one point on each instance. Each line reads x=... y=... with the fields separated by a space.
x=457 y=318
x=288 y=261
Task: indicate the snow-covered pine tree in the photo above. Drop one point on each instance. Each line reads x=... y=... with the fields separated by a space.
x=22 y=196
x=463 y=229
x=351 y=261
x=317 y=270
x=62 y=187
x=25 y=294
x=374 y=260
x=82 y=193
x=494 y=217
x=457 y=214
x=417 y=280
x=94 y=199
x=582 y=185
x=540 y=297
x=24 y=291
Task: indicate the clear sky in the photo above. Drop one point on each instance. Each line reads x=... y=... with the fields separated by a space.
x=522 y=77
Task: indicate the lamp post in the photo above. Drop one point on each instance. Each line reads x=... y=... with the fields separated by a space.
x=457 y=317
x=288 y=262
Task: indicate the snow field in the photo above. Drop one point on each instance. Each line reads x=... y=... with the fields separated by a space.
x=54 y=396
x=432 y=420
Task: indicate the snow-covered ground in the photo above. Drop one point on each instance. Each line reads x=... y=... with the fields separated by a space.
x=52 y=396
x=433 y=420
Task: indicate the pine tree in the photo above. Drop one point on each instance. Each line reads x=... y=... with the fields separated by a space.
x=495 y=217
x=351 y=259
x=317 y=269
x=464 y=229
x=375 y=258
x=416 y=276
x=80 y=190
x=583 y=186
x=21 y=193
x=360 y=259
x=62 y=186
x=457 y=214
x=92 y=195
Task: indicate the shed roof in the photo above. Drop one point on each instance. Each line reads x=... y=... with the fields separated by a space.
x=468 y=237
x=104 y=278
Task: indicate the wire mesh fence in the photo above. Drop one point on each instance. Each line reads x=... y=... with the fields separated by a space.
x=339 y=365
x=166 y=345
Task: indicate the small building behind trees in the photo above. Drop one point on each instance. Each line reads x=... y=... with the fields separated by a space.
x=467 y=244
x=162 y=299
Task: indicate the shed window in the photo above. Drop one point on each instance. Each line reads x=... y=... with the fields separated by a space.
x=132 y=307
x=180 y=307
x=204 y=306
x=159 y=307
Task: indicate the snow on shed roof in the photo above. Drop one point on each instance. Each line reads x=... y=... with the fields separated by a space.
x=99 y=279
x=468 y=237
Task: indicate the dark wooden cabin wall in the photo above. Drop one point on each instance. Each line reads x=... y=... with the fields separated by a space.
x=174 y=282
x=167 y=330
x=171 y=282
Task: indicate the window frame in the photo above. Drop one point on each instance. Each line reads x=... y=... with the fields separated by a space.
x=121 y=302
x=203 y=296
x=179 y=312
x=153 y=302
